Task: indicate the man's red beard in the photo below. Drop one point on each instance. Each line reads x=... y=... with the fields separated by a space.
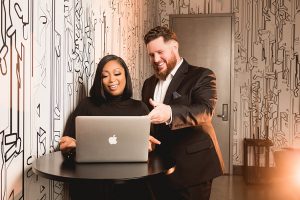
x=171 y=63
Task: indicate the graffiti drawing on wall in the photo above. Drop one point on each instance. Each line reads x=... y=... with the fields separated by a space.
x=13 y=49
x=266 y=58
x=266 y=67
x=48 y=56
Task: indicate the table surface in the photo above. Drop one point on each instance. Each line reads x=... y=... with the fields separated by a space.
x=53 y=166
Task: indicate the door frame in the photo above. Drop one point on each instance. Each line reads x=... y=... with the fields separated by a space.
x=231 y=120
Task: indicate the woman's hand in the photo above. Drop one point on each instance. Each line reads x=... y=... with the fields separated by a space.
x=67 y=143
x=152 y=142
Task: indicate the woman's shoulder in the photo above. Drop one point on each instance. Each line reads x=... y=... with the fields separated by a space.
x=86 y=102
x=138 y=104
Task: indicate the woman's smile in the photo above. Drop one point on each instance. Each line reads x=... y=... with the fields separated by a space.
x=113 y=78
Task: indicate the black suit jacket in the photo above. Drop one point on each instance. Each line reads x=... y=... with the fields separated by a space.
x=190 y=139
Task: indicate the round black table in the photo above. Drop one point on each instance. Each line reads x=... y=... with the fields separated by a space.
x=53 y=166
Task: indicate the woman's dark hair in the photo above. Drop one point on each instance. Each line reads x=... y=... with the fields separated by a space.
x=97 y=92
x=160 y=31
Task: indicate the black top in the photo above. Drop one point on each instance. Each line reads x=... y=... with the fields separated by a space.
x=116 y=107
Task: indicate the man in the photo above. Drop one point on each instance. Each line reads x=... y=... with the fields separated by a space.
x=182 y=98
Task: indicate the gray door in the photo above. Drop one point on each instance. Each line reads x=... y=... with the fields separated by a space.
x=206 y=40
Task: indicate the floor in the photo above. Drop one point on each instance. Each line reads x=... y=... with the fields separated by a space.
x=234 y=188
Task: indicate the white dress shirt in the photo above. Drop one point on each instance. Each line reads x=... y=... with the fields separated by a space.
x=162 y=85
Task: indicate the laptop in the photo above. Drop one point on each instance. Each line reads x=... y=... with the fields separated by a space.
x=112 y=138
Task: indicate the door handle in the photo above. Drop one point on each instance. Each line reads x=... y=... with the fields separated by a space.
x=224 y=114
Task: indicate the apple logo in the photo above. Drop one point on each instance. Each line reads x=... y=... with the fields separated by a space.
x=112 y=140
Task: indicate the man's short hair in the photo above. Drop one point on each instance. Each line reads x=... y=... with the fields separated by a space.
x=160 y=31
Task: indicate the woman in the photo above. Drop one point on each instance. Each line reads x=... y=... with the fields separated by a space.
x=110 y=95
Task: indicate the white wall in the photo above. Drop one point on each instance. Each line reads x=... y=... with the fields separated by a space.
x=49 y=50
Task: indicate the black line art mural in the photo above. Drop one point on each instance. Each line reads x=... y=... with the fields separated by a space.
x=266 y=67
x=49 y=51
x=14 y=33
x=266 y=56
x=191 y=7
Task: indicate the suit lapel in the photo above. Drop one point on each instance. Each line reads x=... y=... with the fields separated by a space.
x=150 y=93
x=152 y=87
x=176 y=81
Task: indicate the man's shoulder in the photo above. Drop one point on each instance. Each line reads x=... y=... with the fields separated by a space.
x=193 y=68
x=199 y=70
x=150 y=79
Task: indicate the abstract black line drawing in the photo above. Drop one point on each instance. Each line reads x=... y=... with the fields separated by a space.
x=48 y=55
x=266 y=66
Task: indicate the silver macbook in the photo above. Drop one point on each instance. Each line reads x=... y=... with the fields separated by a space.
x=112 y=138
